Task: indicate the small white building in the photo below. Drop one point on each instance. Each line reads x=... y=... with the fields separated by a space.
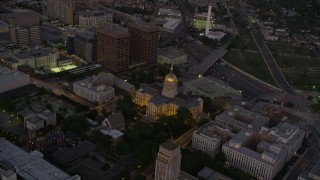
x=10 y=80
x=93 y=90
x=115 y=134
x=172 y=55
x=218 y=35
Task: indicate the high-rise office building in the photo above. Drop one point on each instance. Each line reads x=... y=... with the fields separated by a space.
x=144 y=41
x=113 y=48
x=22 y=36
x=168 y=162
x=61 y=9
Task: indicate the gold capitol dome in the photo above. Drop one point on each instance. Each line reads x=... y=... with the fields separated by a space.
x=171 y=77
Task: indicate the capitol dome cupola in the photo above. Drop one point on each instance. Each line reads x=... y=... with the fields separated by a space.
x=170 y=84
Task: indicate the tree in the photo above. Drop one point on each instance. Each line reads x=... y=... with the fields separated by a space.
x=183 y=114
x=7 y=105
x=76 y=124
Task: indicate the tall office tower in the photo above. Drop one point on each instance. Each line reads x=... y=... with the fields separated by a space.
x=113 y=48
x=22 y=36
x=168 y=162
x=60 y=9
x=144 y=42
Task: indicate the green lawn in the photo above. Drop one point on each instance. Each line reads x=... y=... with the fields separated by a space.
x=297 y=62
x=200 y=24
x=288 y=48
x=251 y=63
x=245 y=42
x=303 y=80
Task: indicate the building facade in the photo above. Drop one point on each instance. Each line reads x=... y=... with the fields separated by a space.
x=255 y=148
x=113 y=48
x=172 y=55
x=165 y=100
x=36 y=59
x=85 y=46
x=61 y=9
x=209 y=137
x=168 y=162
x=22 y=36
x=95 y=18
x=144 y=42
x=93 y=90
x=264 y=163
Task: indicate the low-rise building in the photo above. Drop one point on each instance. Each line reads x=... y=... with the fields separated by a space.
x=93 y=90
x=37 y=59
x=18 y=164
x=172 y=55
x=36 y=118
x=10 y=80
x=115 y=134
x=217 y=35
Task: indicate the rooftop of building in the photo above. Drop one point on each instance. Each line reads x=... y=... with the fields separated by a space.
x=95 y=13
x=286 y=133
x=94 y=85
x=113 y=31
x=143 y=26
x=11 y=75
x=171 y=52
x=243 y=118
x=169 y=145
x=208 y=130
x=67 y=154
x=34 y=53
x=111 y=132
x=210 y=174
x=85 y=36
x=29 y=166
x=271 y=154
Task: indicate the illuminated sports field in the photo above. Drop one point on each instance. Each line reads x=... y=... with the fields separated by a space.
x=199 y=24
x=64 y=68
